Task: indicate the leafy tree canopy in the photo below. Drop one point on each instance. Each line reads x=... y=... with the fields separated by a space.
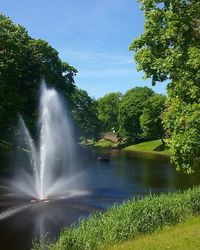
x=150 y=119
x=130 y=110
x=182 y=123
x=169 y=49
x=24 y=61
x=108 y=109
x=84 y=113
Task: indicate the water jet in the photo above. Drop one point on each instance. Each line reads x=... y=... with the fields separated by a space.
x=52 y=159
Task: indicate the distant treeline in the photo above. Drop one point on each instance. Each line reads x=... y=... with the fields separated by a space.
x=24 y=63
x=168 y=50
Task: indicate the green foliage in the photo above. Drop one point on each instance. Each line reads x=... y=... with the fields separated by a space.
x=108 y=110
x=24 y=61
x=122 y=114
x=130 y=110
x=169 y=49
x=183 y=124
x=133 y=218
x=171 y=31
x=85 y=114
x=13 y=40
x=150 y=120
x=46 y=62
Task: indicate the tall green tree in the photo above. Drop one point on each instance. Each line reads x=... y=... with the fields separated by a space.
x=169 y=49
x=84 y=114
x=108 y=111
x=130 y=110
x=13 y=40
x=150 y=120
x=182 y=123
x=43 y=62
x=23 y=63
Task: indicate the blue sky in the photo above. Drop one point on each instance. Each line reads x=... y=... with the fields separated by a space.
x=92 y=35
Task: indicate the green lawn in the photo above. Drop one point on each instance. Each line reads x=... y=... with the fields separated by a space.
x=148 y=146
x=104 y=144
x=184 y=236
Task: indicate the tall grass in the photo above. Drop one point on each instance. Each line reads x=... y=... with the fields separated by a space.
x=130 y=219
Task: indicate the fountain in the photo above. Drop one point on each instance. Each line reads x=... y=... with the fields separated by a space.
x=51 y=170
x=47 y=190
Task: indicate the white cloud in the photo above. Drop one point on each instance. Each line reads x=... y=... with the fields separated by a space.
x=102 y=73
x=91 y=56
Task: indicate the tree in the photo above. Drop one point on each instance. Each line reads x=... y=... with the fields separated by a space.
x=169 y=47
x=13 y=40
x=24 y=61
x=182 y=122
x=130 y=110
x=150 y=120
x=43 y=62
x=108 y=110
x=169 y=50
x=84 y=113
x=46 y=62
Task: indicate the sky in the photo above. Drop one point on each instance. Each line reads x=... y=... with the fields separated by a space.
x=91 y=35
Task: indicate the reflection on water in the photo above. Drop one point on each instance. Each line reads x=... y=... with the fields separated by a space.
x=151 y=172
x=127 y=174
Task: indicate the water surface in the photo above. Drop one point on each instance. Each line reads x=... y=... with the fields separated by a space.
x=127 y=175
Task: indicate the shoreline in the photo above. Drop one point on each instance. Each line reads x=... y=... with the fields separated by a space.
x=147 y=152
x=143 y=147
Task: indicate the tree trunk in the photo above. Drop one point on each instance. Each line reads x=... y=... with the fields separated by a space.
x=163 y=142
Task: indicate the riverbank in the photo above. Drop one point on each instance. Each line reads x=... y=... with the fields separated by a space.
x=154 y=147
x=186 y=236
x=130 y=220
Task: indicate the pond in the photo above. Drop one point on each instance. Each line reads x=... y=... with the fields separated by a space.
x=126 y=175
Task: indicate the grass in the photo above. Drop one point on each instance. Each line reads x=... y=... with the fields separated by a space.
x=184 y=236
x=149 y=146
x=104 y=144
x=129 y=220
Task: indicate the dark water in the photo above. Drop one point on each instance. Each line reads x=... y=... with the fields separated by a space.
x=125 y=176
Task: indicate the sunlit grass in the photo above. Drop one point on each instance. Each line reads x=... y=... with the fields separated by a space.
x=147 y=146
x=104 y=144
x=184 y=236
